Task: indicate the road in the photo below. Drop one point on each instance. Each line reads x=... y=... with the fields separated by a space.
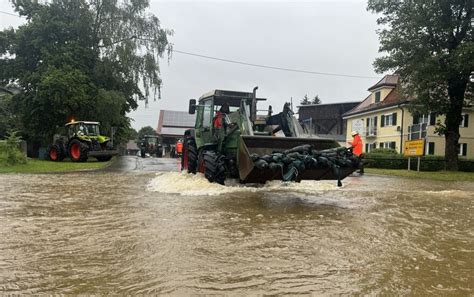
x=136 y=164
x=140 y=227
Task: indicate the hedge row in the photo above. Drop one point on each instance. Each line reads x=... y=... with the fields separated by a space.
x=390 y=160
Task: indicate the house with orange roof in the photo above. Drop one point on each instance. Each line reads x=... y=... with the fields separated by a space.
x=383 y=120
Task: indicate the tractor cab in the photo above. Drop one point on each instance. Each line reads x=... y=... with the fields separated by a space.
x=82 y=128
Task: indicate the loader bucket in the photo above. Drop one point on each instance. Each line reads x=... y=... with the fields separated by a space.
x=266 y=145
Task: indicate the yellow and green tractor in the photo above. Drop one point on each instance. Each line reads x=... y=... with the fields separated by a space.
x=80 y=141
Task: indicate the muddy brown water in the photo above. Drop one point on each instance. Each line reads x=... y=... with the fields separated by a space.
x=116 y=232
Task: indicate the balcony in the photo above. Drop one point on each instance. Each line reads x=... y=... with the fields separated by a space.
x=417 y=131
x=371 y=131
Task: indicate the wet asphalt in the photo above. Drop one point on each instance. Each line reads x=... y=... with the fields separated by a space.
x=134 y=164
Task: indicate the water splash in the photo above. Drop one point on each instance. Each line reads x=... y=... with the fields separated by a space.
x=198 y=185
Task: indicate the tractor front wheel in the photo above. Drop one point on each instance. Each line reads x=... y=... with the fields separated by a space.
x=212 y=164
x=55 y=153
x=78 y=151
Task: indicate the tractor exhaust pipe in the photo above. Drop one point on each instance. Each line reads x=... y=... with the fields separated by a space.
x=253 y=107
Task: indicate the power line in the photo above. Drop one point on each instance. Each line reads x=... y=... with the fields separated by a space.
x=274 y=67
x=253 y=64
x=12 y=14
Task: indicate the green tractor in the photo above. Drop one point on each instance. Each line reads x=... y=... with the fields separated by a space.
x=151 y=144
x=80 y=141
x=231 y=140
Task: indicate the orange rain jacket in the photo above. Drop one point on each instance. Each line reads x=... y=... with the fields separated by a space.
x=218 y=121
x=356 y=145
x=179 y=147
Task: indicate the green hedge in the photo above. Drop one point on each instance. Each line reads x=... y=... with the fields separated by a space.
x=389 y=159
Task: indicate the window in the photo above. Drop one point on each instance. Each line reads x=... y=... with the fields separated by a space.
x=429 y=119
x=388 y=120
x=388 y=145
x=421 y=119
x=370 y=146
x=431 y=148
x=463 y=149
x=371 y=129
x=377 y=96
x=206 y=115
x=465 y=121
x=417 y=131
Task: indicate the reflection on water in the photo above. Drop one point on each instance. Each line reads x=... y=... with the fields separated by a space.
x=177 y=234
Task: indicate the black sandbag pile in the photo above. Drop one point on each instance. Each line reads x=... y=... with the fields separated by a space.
x=296 y=160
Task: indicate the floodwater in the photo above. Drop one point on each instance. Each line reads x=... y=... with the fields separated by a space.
x=138 y=232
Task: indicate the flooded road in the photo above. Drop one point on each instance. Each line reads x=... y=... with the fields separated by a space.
x=130 y=230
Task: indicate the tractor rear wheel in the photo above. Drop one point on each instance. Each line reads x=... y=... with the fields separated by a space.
x=78 y=151
x=189 y=159
x=213 y=165
x=55 y=153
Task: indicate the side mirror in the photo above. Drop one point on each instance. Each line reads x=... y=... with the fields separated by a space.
x=192 y=106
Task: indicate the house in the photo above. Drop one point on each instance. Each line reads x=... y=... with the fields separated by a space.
x=172 y=124
x=383 y=120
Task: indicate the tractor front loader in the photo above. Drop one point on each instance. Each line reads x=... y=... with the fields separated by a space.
x=231 y=140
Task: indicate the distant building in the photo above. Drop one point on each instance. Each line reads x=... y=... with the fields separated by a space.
x=383 y=120
x=172 y=124
x=325 y=120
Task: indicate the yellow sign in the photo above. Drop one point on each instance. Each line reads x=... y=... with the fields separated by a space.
x=414 y=148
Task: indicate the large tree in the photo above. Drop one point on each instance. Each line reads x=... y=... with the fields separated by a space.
x=83 y=59
x=147 y=130
x=430 y=44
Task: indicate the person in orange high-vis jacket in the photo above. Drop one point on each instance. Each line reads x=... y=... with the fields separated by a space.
x=356 y=145
x=179 y=147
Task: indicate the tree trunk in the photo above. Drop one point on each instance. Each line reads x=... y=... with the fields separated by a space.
x=452 y=150
x=456 y=89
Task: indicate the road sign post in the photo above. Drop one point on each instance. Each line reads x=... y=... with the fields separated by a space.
x=414 y=148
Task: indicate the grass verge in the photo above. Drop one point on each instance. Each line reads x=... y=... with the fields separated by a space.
x=44 y=166
x=434 y=175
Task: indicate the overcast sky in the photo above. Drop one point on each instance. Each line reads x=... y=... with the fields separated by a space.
x=322 y=36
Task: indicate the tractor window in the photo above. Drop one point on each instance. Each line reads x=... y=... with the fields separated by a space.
x=206 y=115
x=91 y=130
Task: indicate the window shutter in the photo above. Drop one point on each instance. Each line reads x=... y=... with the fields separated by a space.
x=432 y=119
x=464 y=149
x=466 y=120
x=394 y=119
x=431 y=147
x=382 y=121
x=416 y=118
